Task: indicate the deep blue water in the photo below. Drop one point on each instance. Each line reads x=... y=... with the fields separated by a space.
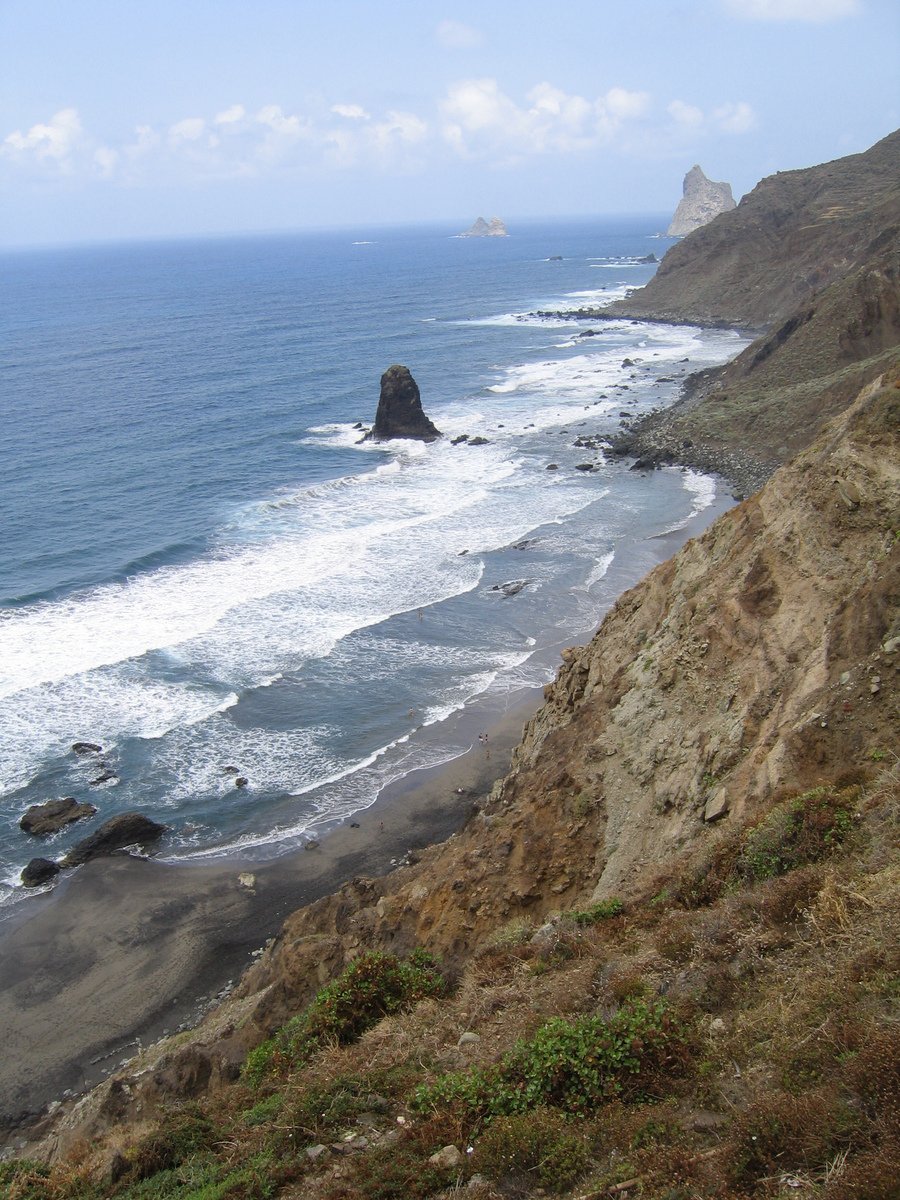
x=202 y=567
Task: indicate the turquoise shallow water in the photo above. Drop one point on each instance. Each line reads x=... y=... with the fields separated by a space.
x=202 y=567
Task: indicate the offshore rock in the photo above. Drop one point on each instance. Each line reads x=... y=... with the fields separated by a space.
x=400 y=413
x=483 y=228
x=41 y=819
x=127 y=829
x=703 y=199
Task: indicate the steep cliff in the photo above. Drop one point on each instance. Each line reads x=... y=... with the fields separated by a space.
x=702 y=200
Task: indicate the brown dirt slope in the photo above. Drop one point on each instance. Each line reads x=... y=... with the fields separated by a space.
x=763 y=656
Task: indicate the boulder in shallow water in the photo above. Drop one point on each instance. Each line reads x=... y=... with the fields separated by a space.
x=400 y=413
x=86 y=748
x=38 y=871
x=127 y=829
x=42 y=819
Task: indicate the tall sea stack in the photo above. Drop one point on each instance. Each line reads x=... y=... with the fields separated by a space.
x=400 y=413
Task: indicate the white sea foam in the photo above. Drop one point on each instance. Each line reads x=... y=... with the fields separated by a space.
x=300 y=573
x=600 y=569
x=702 y=488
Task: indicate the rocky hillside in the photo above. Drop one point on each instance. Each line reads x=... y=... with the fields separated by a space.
x=708 y=776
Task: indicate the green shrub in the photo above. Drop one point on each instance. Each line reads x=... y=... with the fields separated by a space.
x=541 y=1144
x=265 y=1111
x=601 y=911
x=572 y=1065
x=371 y=987
x=796 y=832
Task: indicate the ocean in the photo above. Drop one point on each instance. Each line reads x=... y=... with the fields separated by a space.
x=208 y=573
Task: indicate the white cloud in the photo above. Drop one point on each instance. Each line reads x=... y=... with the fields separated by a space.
x=105 y=160
x=399 y=127
x=735 y=118
x=230 y=116
x=687 y=115
x=817 y=11
x=54 y=140
x=624 y=105
x=353 y=112
x=273 y=117
x=456 y=36
x=191 y=129
x=479 y=118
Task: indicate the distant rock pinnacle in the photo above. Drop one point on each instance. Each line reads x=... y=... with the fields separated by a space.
x=703 y=199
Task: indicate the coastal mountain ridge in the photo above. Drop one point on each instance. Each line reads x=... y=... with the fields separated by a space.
x=789 y=237
x=696 y=843
x=811 y=259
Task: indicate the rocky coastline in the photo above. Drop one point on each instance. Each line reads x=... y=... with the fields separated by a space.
x=696 y=836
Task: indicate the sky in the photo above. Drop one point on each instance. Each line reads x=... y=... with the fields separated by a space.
x=121 y=119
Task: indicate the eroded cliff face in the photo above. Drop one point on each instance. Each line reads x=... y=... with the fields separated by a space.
x=764 y=655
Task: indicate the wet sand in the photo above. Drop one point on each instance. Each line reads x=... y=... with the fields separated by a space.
x=125 y=950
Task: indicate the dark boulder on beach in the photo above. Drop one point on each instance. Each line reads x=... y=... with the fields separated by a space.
x=127 y=829
x=41 y=819
x=400 y=413
x=38 y=871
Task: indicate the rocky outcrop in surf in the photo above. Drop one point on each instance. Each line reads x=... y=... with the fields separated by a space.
x=400 y=413
x=702 y=201
x=42 y=819
x=127 y=829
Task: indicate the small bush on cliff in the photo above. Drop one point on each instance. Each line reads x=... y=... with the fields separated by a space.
x=602 y=911
x=572 y=1065
x=798 y=831
x=540 y=1146
x=371 y=987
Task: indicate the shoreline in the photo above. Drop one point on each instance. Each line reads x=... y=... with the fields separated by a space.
x=128 y=950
